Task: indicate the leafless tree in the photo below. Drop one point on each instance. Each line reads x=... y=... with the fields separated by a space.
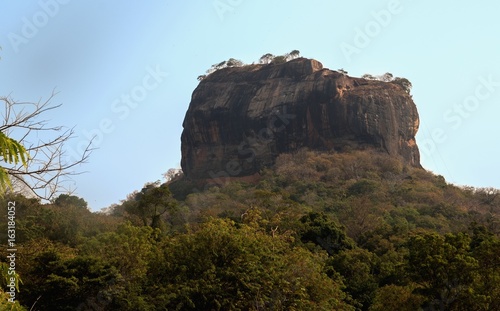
x=48 y=168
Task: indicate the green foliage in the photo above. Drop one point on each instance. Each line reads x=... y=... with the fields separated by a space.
x=368 y=76
x=6 y=275
x=357 y=230
x=404 y=83
x=485 y=247
x=362 y=187
x=67 y=200
x=394 y=297
x=266 y=58
x=133 y=252
x=294 y=53
x=227 y=267
x=6 y=305
x=64 y=284
x=12 y=152
x=357 y=267
x=270 y=58
x=279 y=59
x=445 y=269
x=234 y=62
x=150 y=204
x=67 y=220
x=316 y=228
x=224 y=64
x=387 y=77
x=129 y=249
x=181 y=188
x=342 y=71
x=5 y=280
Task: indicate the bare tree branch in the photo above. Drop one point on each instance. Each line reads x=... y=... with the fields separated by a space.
x=48 y=168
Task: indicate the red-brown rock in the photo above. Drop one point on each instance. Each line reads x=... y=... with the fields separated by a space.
x=241 y=118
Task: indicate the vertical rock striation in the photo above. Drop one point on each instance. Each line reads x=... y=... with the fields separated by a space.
x=241 y=118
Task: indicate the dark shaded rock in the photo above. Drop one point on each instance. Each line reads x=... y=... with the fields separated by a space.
x=241 y=118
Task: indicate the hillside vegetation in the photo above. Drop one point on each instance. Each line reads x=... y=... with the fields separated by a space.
x=318 y=231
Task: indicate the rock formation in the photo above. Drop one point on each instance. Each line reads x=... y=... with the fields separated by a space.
x=241 y=118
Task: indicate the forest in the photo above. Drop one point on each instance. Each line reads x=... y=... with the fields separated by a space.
x=319 y=231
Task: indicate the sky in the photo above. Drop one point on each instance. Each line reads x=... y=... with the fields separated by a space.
x=125 y=71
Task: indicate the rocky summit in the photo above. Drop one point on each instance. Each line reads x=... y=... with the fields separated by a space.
x=241 y=118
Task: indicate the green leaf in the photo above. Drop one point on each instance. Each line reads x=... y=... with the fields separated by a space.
x=12 y=152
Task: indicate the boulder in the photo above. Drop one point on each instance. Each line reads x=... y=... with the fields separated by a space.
x=241 y=118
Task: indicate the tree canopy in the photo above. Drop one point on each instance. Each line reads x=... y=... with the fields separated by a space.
x=404 y=83
x=319 y=231
x=264 y=59
x=12 y=152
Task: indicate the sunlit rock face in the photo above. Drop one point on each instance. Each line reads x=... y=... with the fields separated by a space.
x=241 y=118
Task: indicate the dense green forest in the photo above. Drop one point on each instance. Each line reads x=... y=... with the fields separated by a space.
x=319 y=231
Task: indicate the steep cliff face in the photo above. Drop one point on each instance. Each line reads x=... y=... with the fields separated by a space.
x=241 y=118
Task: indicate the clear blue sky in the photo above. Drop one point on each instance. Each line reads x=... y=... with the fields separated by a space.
x=127 y=70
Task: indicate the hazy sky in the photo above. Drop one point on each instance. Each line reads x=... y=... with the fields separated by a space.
x=125 y=71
